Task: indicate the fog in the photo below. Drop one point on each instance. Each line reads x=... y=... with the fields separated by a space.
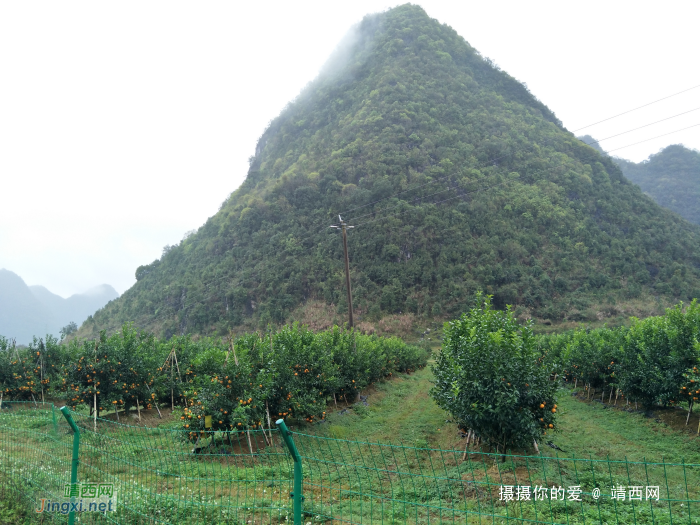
x=125 y=125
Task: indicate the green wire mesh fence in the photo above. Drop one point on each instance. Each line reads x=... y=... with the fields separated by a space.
x=247 y=477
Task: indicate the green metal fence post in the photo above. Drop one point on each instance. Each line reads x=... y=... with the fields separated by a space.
x=76 y=451
x=296 y=495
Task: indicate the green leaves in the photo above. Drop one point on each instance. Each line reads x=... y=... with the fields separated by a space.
x=290 y=373
x=489 y=378
x=657 y=353
x=648 y=362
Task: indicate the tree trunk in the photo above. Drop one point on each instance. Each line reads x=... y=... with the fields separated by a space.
x=172 y=392
x=575 y=382
x=138 y=409
x=177 y=365
x=537 y=449
x=466 y=447
x=690 y=409
x=610 y=398
x=617 y=394
x=269 y=422
x=250 y=445
x=94 y=412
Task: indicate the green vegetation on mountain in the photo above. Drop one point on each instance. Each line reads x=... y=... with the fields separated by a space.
x=490 y=379
x=671 y=178
x=496 y=196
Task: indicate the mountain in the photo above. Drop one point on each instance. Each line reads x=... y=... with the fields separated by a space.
x=671 y=178
x=27 y=311
x=77 y=307
x=455 y=177
x=22 y=315
x=593 y=143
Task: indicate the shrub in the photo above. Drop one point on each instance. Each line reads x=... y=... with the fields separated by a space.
x=489 y=378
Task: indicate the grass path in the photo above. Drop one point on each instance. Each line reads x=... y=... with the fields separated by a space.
x=401 y=410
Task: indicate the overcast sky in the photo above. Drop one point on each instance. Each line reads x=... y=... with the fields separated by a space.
x=123 y=125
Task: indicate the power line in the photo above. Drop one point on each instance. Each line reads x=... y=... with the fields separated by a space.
x=232 y=279
x=635 y=109
x=640 y=127
x=491 y=161
x=528 y=149
x=652 y=138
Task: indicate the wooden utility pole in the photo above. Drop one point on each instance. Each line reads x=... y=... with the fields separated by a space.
x=344 y=227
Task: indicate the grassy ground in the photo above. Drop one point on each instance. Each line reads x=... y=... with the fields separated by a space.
x=13 y=512
x=402 y=410
x=363 y=483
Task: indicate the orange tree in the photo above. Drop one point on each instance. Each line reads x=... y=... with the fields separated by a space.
x=215 y=388
x=21 y=373
x=31 y=372
x=657 y=353
x=290 y=373
x=113 y=373
x=690 y=388
x=7 y=380
x=489 y=378
x=281 y=375
x=593 y=357
x=48 y=355
x=84 y=376
x=174 y=357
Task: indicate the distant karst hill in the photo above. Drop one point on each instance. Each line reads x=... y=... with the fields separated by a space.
x=457 y=179
x=27 y=311
x=671 y=178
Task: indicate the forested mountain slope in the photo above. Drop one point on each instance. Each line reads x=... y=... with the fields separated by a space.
x=497 y=195
x=671 y=178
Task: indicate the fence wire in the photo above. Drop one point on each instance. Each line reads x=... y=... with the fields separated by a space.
x=161 y=476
